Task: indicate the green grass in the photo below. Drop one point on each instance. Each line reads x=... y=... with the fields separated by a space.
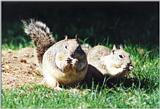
x=140 y=90
x=37 y=96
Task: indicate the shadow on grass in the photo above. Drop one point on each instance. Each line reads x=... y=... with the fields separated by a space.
x=145 y=84
x=95 y=80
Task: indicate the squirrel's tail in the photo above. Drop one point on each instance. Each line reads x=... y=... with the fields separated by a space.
x=40 y=35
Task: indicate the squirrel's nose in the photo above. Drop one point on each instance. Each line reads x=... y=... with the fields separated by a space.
x=69 y=60
x=72 y=55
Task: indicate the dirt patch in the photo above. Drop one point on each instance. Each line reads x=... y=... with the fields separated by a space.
x=19 y=67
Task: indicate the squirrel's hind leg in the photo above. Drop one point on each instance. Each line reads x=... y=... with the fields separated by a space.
x=52 y=83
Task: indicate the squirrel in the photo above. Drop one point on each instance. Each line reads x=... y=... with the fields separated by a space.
x=104 y=62
x=63 y=62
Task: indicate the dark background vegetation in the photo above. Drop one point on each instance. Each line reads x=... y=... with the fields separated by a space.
x=134 y=24
x=96 y=22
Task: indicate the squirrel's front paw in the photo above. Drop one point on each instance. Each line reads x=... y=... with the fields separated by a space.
x=74 y=61
x=71 y=61
x=127 y=67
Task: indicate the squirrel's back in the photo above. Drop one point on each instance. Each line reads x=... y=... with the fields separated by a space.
x=96 y=52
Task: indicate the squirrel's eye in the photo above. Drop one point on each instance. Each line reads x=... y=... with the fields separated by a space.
x=65 y=46
x=120 y=56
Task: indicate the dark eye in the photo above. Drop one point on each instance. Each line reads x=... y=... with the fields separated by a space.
x=120 y=56
x=65 y=46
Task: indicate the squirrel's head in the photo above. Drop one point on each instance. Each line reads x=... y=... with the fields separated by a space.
x=120 y=58
x=73 y=47
x=75 y=55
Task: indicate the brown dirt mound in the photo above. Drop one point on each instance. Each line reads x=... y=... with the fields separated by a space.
x=19 y=67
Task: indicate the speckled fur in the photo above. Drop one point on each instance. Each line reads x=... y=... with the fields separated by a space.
x=40 y=35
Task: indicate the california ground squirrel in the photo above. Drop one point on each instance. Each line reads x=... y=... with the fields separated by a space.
x=63 y=62
x=105 y=62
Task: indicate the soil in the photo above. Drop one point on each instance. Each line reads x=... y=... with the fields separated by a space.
x=20 y=67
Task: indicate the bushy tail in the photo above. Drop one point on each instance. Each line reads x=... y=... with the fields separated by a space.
x=40 y=35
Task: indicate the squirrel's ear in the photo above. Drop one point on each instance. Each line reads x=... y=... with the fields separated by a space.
x=77 y=39
x=113 y=50
x=114 y=47
x=121 y=46
x=66 y=37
